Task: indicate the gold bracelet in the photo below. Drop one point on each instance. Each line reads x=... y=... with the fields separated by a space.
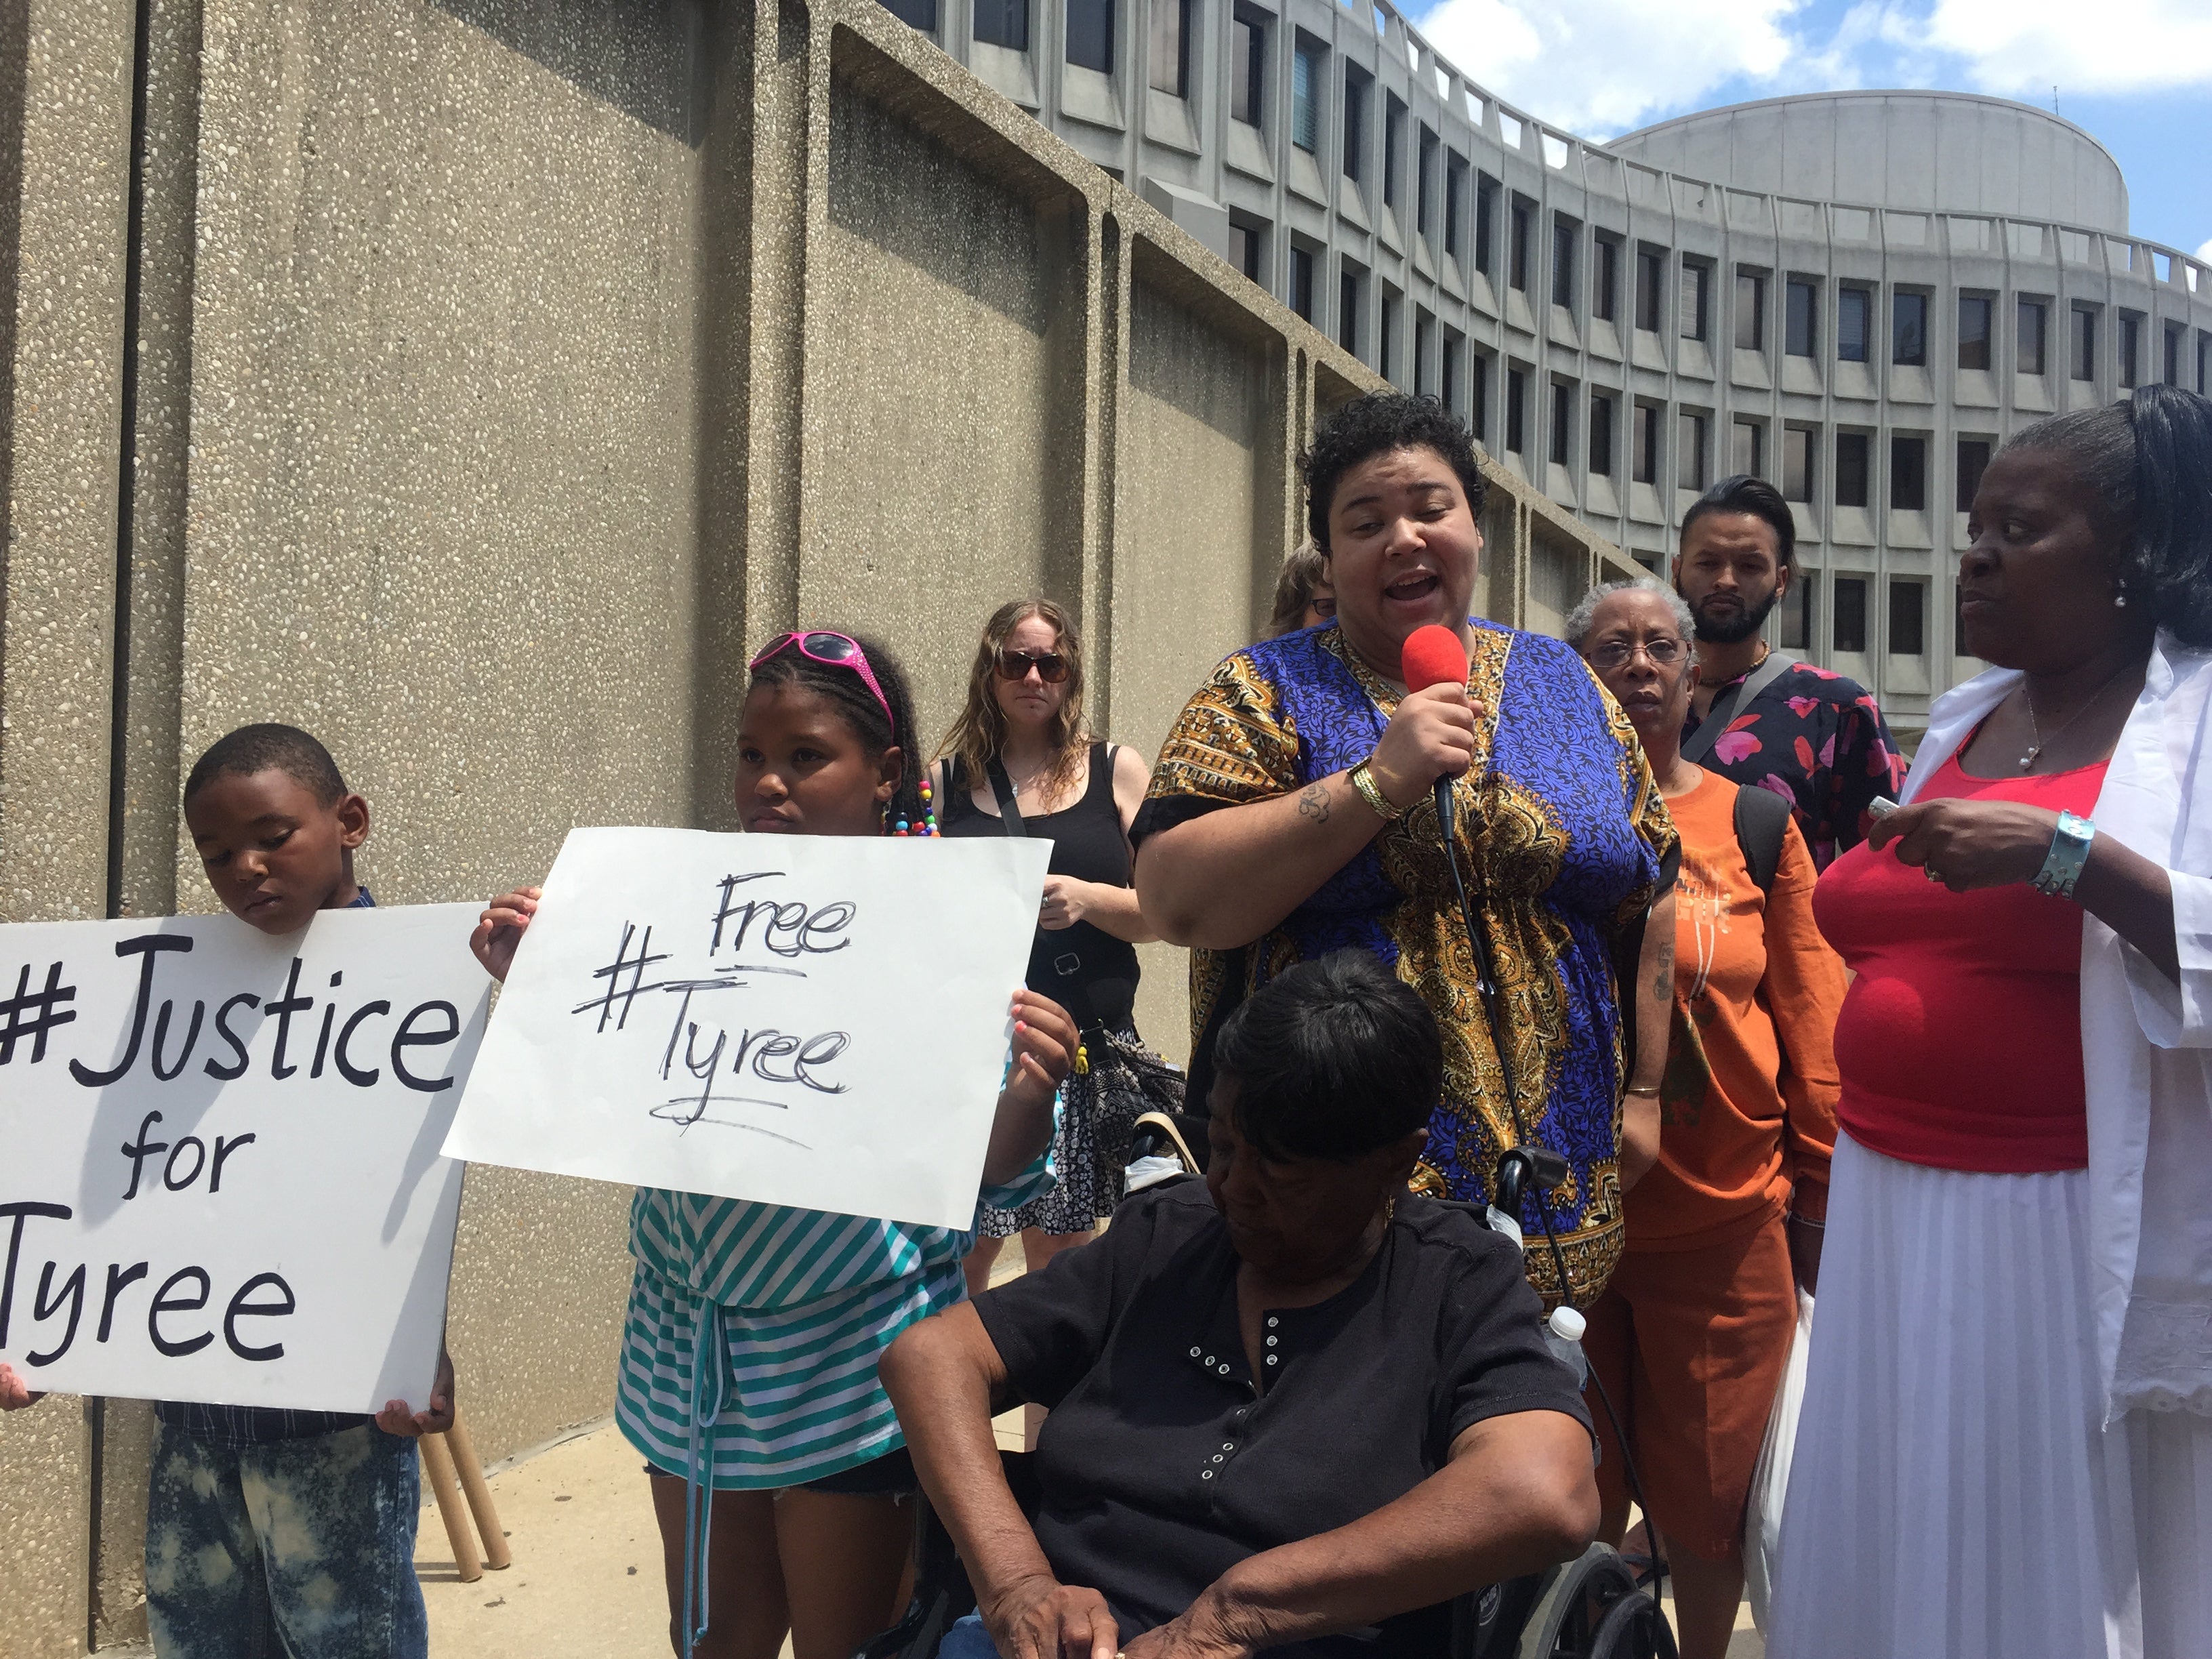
x=1654 y=1092
x=1363 y=781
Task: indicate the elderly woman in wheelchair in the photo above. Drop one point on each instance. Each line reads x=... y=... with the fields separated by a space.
x=1293 y=1408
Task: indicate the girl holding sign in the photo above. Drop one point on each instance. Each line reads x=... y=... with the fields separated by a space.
x=805 y=1461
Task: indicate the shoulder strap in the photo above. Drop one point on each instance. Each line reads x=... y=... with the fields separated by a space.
x=1699 y=743
x=1762 y=819
x=1010 y=815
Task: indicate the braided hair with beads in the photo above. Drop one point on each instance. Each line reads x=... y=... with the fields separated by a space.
x=910 y=810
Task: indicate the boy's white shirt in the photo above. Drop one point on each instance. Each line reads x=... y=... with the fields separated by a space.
x=2146 y=1042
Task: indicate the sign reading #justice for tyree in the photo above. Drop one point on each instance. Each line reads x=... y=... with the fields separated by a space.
x=818 y=1021
x=220 y=1179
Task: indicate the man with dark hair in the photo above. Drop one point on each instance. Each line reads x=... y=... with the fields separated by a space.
x=1760 y=716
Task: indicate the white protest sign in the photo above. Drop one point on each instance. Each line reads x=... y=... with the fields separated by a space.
x=221 y=1179
x=816 y=1021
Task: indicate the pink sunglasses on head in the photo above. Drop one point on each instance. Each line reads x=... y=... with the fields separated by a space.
x=835 y=650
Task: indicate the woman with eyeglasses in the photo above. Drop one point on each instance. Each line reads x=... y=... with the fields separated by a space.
x=1690 y=1337
x=1021 y=742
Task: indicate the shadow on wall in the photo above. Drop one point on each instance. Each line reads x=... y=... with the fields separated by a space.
x=652 y=59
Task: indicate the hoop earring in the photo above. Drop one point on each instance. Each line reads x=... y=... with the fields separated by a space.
x=2119 y=596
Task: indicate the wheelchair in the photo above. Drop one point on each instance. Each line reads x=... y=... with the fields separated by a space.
x=1593 y=1607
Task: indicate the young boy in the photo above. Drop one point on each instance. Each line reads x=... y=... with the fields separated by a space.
x=271 y=1533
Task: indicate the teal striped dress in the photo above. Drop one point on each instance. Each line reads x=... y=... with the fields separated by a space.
x=806 y=1301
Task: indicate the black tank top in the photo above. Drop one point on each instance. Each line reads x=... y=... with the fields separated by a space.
x=1083 y=969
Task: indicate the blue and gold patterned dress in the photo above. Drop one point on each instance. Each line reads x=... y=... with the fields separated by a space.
x=1563 y=836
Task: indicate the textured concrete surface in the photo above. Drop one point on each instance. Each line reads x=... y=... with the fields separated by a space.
x=474 y=381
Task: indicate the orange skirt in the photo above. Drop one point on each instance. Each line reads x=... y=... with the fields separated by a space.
x=1690 y=1346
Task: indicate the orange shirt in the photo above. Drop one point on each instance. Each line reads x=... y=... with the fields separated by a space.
x=1748 y=1107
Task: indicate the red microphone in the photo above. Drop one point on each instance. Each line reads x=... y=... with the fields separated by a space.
x=1432 y=655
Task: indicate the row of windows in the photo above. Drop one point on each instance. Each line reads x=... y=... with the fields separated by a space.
x=1848 y=633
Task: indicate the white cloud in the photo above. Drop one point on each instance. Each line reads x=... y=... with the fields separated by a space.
x=1597 y=67
x=2205 y=252
x=2027 y=47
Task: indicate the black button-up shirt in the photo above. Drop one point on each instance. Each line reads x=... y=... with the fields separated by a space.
x=1161 y=1465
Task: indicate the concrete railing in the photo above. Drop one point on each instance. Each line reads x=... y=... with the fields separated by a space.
x=471 y=383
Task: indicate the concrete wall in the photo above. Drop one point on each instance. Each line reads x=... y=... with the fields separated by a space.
x=470 y=382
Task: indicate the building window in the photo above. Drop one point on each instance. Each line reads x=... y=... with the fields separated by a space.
x=1517 y=252
x=1564 y=231
x=1347 y=310
x=1485 y=221
x=2029 y=346
x=1424 y=330
x=1302 y=281
x=1478 y=394
x=1974 y=461
x=1908 y=329
x=1170 y=46
x=1002 y=24
x=1394 y=147
x=1850 y=631
x=1601 y=436
x=1425 y=183
x=1908 y=618
x=2172 y=367
x=2204 y=365
x=1305 y=96
x=1854 y=324
x=1244 y=249
x=1797 y=613
x=1750 y=312
x=1645 y=438
x=2131 y=350
x=1973 y=330
x=915 y=14
x=1797 y=463
x=1448 y=376
x=1562 y=421
x=1454 y=207
x=2084 y=343
x=1696 y=280
x=1605 y=282
x=1516 y=410
x=1386 y=343
x=1355 y=122
x=1248 y=66
x=1800 y=332
x=1650 y=274
x=1091 y=34
x=1689 y=452
x=1851 y=465
x=1908 y=474
x=1749 y=440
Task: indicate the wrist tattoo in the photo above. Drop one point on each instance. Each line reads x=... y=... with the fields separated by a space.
x=1313 y=803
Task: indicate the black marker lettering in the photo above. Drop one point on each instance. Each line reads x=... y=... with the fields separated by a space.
x=199 y=1162
x=164 y=1304
x=227 y=1073
x=241 y=1309
x=830 y=919
x=148 y=947
x=775 y=1048
x=407 y=1037
x=22 y=1211
x=42 y=1310
x=322 y=1040
x=726 y=911
x=224 y=1146
x=142 y=1149
x=284 y=1007
x=119 y=1278
x=351 y=1072
x=169 y=1073
x=820 y=1051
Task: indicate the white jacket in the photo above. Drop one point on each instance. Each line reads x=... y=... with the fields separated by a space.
x=2145 y=1042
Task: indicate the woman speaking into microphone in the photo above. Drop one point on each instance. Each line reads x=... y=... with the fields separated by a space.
x=1292 y=813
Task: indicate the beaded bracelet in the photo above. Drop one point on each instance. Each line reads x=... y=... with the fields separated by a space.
x=1363 y=781
x=2069 y=854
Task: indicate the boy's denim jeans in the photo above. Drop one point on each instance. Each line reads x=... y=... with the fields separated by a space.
x=304 y=1548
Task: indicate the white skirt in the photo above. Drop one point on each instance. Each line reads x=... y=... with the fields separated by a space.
x=1951 y=1495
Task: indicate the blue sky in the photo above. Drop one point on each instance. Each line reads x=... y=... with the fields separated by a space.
x=2136 y=73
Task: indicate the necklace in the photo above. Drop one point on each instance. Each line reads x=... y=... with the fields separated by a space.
x=2035 y=749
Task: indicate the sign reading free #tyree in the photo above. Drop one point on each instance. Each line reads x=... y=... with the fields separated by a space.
x=220 y=1179
x=815 y=1021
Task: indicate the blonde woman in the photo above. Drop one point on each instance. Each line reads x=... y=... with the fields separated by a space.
x=1021 y=738
x=1304 y=597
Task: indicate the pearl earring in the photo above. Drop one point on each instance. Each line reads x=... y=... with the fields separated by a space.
x=2120 y=597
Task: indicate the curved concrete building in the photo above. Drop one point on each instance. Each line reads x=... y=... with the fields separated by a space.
x=1856 y=295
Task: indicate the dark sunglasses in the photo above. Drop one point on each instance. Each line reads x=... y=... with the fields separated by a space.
x=1051 y=665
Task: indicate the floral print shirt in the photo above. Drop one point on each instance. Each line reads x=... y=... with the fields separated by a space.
x=1817 y=740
